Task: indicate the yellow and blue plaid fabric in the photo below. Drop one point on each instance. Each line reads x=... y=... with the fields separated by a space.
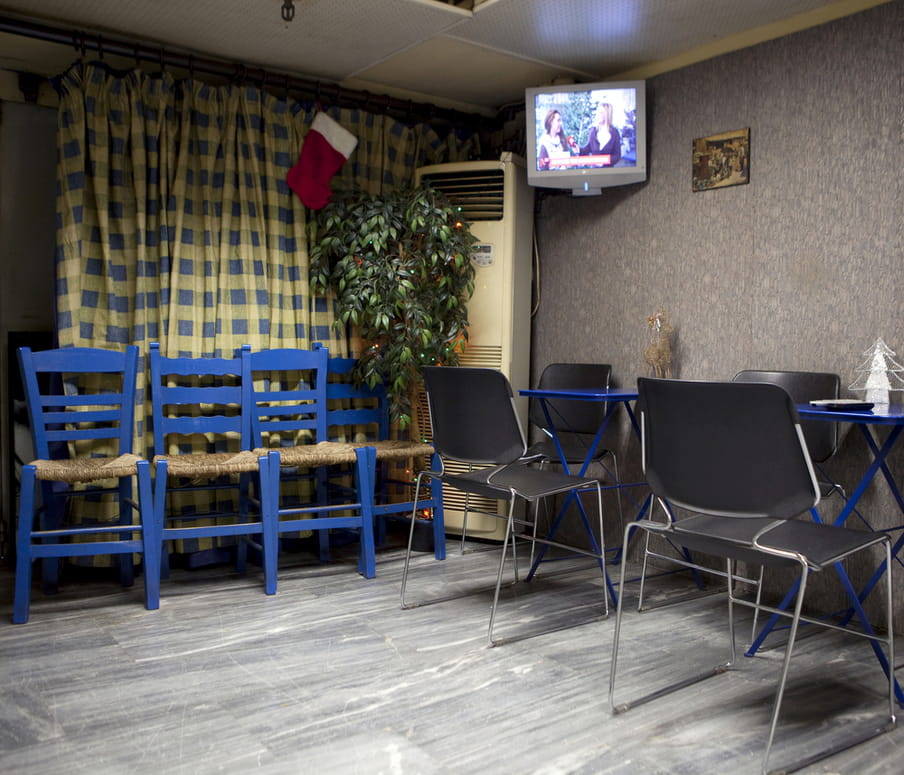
x=175 y=223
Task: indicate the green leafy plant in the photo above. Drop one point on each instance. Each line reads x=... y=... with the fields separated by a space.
x=400 y=267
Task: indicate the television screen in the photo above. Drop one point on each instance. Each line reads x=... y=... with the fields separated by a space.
x=586 y=137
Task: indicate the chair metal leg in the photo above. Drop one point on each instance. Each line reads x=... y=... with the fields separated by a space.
x=417 y=492
x=623 y=707
x=509 y=534
x=786 y=662
x=643 y=569
x=731 y=618
x=759 y=597
x=464 y=524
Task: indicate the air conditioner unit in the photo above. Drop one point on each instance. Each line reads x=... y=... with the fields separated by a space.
x=497 y=202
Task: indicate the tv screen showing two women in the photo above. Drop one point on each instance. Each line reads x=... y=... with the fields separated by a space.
x=590 y=129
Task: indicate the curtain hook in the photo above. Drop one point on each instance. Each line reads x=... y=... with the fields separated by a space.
x=100 y=47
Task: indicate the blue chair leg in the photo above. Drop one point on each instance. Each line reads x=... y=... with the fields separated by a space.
x=365 y=469
x=126 y=517
x=159 y=515
x=150 y=537
x=241 y=547
x=50 y=518
x=22 y=595
x=269 y=497
x=323 y=536
x=439 y=522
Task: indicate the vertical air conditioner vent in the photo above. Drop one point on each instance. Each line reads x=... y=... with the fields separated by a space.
x=479 y=193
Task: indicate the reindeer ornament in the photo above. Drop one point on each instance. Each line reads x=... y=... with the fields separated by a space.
x=658 y=354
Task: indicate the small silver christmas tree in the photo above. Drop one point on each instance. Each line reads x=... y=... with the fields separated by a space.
x=879 y=373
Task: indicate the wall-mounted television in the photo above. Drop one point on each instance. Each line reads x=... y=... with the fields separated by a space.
x=586 y=137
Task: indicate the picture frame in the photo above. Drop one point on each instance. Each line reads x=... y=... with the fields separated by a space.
x=721 y=160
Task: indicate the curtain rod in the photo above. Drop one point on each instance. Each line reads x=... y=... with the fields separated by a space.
x=328 y=93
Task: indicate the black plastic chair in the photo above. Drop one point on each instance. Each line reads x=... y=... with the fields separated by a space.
x=576 y=423
x=803 y=386
x=821 y=438
x=474 y=422
x=732 y=456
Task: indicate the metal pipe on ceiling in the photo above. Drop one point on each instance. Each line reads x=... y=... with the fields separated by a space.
x=323 y=92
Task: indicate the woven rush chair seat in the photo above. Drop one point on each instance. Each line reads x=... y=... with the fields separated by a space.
x=207 y=465
x=335 y=452
x=86 y=470
x=323 y=453
x=392 y=449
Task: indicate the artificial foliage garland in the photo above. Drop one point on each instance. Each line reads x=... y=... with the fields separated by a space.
x=400 y=267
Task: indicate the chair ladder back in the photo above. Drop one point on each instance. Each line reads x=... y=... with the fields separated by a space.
x=79 y=394
x=354 y=405
x=286 y=394
x=196 y=396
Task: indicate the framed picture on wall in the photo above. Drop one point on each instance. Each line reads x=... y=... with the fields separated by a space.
x=721 y=160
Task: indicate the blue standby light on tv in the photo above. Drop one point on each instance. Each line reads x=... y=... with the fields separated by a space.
x=586 y=137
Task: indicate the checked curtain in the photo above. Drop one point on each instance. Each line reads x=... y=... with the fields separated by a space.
x=175 y=223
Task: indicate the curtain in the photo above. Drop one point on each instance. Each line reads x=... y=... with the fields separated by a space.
x=175 y=223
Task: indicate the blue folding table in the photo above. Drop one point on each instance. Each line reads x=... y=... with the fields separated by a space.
x=887 y=415
x=613 y=397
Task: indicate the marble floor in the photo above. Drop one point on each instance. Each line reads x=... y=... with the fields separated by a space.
x=330 y=676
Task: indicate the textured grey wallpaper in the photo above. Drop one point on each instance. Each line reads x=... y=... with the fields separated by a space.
x=799 y=269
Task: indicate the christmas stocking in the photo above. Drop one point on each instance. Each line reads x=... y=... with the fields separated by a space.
x=326 y=146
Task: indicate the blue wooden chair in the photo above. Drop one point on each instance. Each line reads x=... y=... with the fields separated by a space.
x=286 y=400
x=203 y=463
x=360 y=414
x=81 y=407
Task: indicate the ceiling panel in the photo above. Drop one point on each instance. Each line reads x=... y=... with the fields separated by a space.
x=427 y=49
x=467 y=74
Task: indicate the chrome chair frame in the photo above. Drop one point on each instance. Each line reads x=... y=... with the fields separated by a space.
x=474 y=422
x=744 y=476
